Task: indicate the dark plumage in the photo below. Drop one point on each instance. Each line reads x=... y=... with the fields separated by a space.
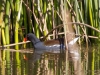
x=55 y=46
x=40 y=47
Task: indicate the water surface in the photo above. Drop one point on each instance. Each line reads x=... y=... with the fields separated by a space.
x=21 y=62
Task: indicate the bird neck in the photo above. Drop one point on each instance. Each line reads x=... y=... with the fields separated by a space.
x=38 y=41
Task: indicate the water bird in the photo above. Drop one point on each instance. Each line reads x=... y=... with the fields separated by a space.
x=52 y=46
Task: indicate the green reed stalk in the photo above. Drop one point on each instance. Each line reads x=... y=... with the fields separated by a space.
x=93 y=15
x=0 y=20
x=86 y=10
x=25 y=18
x=36 y=27
x=99 y=16
x=7 y=13
x=47 y=17
x=96 y=19
x=18 y=8
x=2 y=25
x=90 y=12
x=4 y=41
x=99 y=29
x=16 y=22
x=86 y=14
x=4 y=55
x=29 y=17
x=77 y=17
x=44 y=5
x=26 y=25
x=79 y=11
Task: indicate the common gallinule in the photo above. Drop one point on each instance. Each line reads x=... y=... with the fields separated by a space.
x=53 y=46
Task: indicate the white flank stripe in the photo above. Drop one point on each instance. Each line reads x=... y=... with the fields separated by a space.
x=73 y=41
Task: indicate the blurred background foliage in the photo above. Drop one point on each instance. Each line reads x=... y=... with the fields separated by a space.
x=19 y=17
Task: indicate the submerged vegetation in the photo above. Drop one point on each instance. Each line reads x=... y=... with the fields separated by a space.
x=46 y=18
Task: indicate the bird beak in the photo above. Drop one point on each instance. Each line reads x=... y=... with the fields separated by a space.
x=25 y=39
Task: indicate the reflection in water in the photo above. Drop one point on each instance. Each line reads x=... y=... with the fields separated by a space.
x=49 y=64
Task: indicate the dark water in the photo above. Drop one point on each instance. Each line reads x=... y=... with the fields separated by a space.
x=21 y=62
